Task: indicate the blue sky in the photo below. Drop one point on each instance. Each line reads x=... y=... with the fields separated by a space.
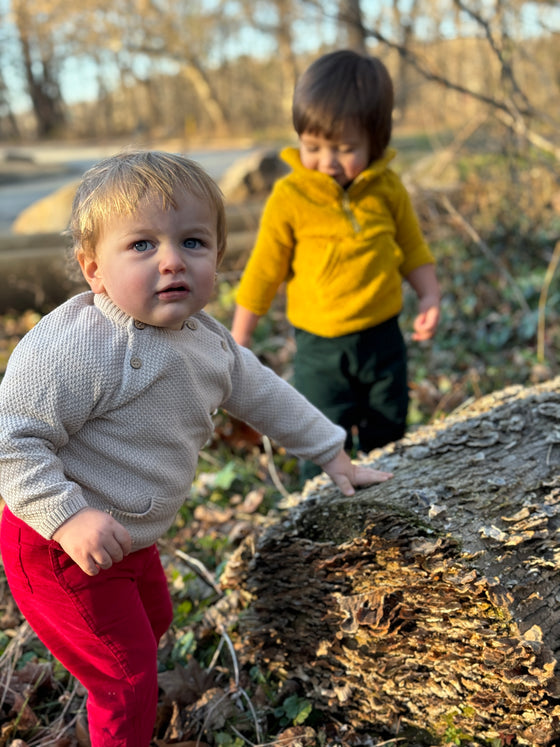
x=78 y=77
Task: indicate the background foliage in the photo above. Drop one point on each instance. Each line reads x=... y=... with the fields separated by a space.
x=478 y=139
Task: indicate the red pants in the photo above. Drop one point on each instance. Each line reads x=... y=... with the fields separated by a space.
x=104 y=629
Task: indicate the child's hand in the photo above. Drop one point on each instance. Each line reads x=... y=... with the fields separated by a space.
x=243 y=325
x=427 y=320
x=424 y=281
x=94 y=540
x=346 y=475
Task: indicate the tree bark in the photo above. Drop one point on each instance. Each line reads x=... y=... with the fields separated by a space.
x=429 y=602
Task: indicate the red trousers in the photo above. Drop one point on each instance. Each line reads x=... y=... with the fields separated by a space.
x=104 y=629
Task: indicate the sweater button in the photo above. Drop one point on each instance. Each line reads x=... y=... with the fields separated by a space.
x=136 y=362
x=139 y=325
x=224 y=344
x=191 y=324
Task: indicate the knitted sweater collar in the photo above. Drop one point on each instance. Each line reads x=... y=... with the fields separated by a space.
x=111 y=310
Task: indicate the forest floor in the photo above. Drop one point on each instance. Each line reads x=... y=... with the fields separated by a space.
x=493 y=229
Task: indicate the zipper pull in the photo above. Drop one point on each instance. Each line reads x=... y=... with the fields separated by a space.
x=348 y=210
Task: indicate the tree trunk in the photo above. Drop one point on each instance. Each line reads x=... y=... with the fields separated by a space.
x=350 y=26
x=207 y=96
x=40 y=72
x=428 y=603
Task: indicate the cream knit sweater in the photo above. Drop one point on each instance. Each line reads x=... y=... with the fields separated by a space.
x=99 y=410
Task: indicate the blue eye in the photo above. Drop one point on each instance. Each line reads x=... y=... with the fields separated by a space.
x=142 y=246
x=192 y=243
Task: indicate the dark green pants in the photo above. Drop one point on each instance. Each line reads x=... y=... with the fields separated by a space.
x=359 y=381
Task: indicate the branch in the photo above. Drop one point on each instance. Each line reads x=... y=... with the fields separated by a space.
x=507 y=70
x=550 y=270
x=201 y=571
x=470 y=231
x=518 y=125
x=506 y=111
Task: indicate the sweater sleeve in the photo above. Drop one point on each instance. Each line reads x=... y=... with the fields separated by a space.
x=51 y=387
x=273 y=407
x=269 y=264
x=408 y=234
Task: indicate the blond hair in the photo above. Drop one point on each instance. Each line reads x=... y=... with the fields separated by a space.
x=116 y=185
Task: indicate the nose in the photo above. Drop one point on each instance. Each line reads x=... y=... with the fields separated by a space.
x=171 y=258
x=327 y=160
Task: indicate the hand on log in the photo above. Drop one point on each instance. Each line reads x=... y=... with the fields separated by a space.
x=347 y=476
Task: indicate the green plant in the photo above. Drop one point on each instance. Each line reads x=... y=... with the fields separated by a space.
x=453 y=734
x=294 y=710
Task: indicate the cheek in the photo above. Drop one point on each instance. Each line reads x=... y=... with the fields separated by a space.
x=124 y=279
x=203 y=276
x=308 y=160
x=356 y=165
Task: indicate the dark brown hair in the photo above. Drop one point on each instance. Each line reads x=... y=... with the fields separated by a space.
x=341 y=87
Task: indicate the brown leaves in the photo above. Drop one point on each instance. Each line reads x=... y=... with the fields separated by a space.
x=23 y=690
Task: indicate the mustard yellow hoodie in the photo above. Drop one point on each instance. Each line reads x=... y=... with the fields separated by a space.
x=342 y=252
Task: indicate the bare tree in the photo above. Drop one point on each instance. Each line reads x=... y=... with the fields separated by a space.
x=352 y=32
x=180 y=37
x=404 y=25
x=41 y=67
x=276 y=18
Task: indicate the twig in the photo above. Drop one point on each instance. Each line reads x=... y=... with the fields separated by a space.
x=237 y=689
x=242 y=692
x=550 y=270
x=216 y=655
x=470 y=231
x=227 y=639
x=207 y=717
x=272 y=467
x=200 y=570
x=505 y=65
x=57 y=734
x=210 y=459
x=11 y=655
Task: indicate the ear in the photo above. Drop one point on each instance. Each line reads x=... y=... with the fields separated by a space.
x=91 y=272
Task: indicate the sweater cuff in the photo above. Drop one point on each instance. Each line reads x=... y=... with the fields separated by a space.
x=57 y=516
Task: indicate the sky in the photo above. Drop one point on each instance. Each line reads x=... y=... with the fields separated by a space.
x=79 y=78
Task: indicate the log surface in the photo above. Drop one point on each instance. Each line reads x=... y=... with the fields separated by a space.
x=430 y=601
x=38 y=271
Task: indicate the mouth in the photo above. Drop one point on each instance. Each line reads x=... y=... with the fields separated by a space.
x=173 y=292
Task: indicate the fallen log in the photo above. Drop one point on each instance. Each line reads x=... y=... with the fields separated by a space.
x=430 y=602
x=37 y=271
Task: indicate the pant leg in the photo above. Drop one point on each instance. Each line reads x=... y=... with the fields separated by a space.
x=357 y=380
x=382 y=383
x=321 y=374
x=102 y=628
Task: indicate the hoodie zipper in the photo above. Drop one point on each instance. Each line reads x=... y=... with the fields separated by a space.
x=348 y=212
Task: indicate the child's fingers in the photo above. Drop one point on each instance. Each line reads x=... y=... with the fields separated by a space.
x=343 y=483
x=123 y=538
x=367 y=476
x=360 y=476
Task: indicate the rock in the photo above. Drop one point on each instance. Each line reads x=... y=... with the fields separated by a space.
x=252 y=176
